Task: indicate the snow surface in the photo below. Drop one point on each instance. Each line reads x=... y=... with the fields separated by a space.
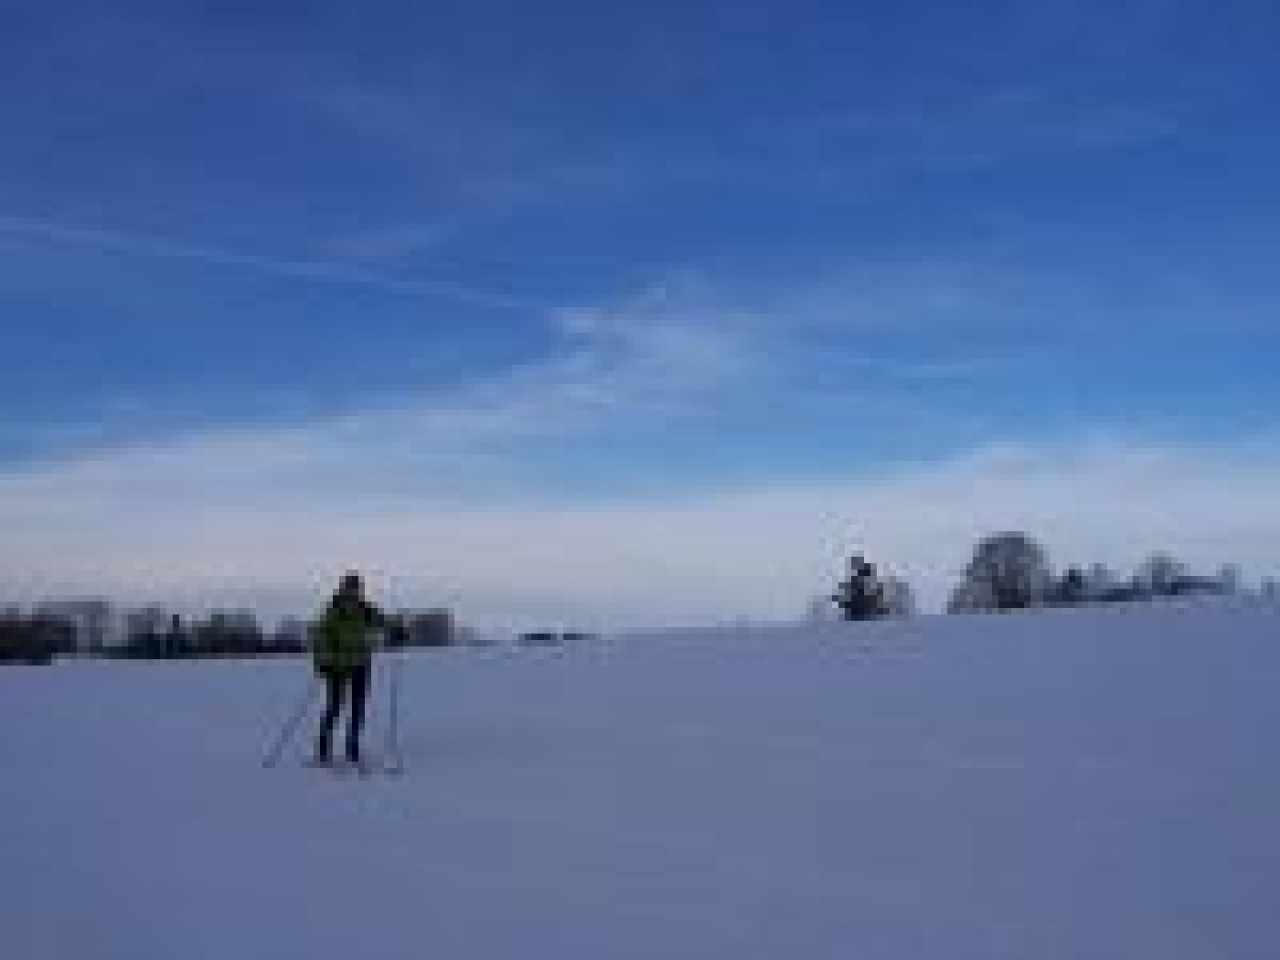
x=1076 y=784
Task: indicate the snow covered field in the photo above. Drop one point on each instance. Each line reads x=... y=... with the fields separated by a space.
x=1076 y=785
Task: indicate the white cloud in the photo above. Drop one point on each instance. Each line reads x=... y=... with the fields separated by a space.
x=759 y=552
x=648 y=356
x=432 y=495
x=115 y=517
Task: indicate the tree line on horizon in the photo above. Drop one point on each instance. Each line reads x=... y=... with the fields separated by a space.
x=1008 y=571
x=1011 y=571
x=48 y=632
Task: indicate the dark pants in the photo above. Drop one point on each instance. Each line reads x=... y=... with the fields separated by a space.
x=337 y=683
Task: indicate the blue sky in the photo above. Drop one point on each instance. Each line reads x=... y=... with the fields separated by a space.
x=389 y=266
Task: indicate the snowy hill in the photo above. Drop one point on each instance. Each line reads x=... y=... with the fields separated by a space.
x=1077 y=785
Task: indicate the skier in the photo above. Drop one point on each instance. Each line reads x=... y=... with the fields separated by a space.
x=343 y=658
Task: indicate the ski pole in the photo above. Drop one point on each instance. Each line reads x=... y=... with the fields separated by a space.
x=394 y=756
x=287 y=730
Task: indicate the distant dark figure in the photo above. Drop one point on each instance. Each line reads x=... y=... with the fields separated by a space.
x=343 y=657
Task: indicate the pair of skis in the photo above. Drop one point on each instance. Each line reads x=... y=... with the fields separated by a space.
x=389 y=765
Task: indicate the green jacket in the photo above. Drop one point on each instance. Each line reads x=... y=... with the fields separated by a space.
x=343 y=638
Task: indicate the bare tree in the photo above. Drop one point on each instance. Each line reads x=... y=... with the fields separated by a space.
x=1008 y=571
x=1229 y=579
x=819 y=610
x=1071 y=588
x=1160 y=574
x=964 y=599
x=1101 y=581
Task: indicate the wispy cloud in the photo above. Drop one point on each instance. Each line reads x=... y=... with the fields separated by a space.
x=647 y=357
x=989 y=125
x=389 y=242
x=690 y=346
x=140 y=245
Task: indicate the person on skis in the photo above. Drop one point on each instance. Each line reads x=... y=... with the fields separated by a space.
x=342 y=653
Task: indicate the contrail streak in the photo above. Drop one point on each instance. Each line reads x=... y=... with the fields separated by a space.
x=115 y=241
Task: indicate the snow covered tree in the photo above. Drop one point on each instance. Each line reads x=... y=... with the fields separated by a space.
x=896 y=598
x=860 y=595
x=1008 y=571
